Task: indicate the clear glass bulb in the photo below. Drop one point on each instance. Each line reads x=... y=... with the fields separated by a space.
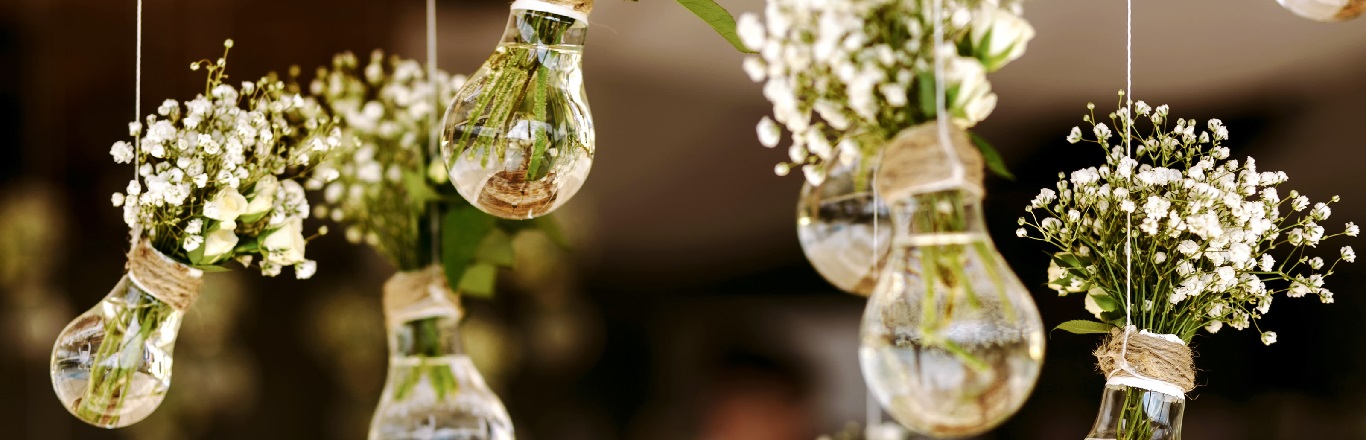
x=433 y=390
x=111 y=366
x=951 y=343
x=1325 y=10
x=1130 y=413
x=835 y=225
x=518 y=137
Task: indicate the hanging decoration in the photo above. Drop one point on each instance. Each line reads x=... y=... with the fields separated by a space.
x=388 y=189
x=1213 y=245
x=1325 y=10
x=518 y=137
x=844 y=79
x=215 y=183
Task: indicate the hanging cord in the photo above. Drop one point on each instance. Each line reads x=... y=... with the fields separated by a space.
x=433 y=219
x=137 y=100
x=1128 y=216
x=941 y=96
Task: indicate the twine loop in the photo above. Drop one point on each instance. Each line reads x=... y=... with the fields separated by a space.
x=163 y=278
x=1151 y=361
x=915 y=162
x=419 y=294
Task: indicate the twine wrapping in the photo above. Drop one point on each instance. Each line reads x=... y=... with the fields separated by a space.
x=914 y=163
x=419 y=294
x=163 y=278
x=1154 y=362
x=577 y=9
x=1351 y=10
x=510 y=195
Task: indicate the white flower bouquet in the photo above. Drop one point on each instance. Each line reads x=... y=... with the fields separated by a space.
x=1213 y=242
x=846 y=77
x=216 y=182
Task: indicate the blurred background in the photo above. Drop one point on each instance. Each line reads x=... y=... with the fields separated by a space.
x=685 y=309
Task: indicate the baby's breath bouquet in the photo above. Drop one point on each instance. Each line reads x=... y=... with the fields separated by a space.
x=1212 y=242
x=846 y=77
x=216 y=183
x=392 y=194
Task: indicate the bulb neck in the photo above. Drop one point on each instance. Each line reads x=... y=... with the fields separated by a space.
x=542 y=28
x=426 y=337
x=953 y=211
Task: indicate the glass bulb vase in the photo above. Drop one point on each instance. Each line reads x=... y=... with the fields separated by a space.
x=433 y=390
x=111 y=366
x=518 y=137
x=1132 y=413
x=844 y=230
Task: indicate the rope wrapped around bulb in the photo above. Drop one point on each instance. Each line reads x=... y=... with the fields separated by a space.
x=1153 y=362
x=163 y=278
x=914 y=162
x=419 y=294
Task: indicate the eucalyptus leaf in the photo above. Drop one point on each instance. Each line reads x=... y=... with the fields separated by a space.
x=718 y=18
x=995 y=163
x=462 y=232
x=1084 y=327
x=478 y=280
x=496 y=249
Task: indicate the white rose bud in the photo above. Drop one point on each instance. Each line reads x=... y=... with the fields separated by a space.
x=226 y=206
x=973 y=100
x=998 y=36
x=263 y=196
x=219 y=243
x=286 y=243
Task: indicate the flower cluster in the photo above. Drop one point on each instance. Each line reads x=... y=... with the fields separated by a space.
x=216 y=180
x=1213 y=240
x=865 y=68
x=384 y=175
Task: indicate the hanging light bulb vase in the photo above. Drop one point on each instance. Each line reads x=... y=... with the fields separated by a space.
x=836 y=225
x=1145 y=394
x=518 y=137
x=433 y=389
x=1325 y=10
x=111 y=366
x=951 y=343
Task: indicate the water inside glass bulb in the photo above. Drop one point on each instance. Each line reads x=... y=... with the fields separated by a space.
x=111 y=366
x=518 y=137
x=835 y=225
x=951 y=343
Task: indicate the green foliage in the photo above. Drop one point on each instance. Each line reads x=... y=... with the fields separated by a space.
x=1084 y=327
x=718 y=18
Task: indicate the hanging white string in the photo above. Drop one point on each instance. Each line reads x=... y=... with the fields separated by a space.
x=1128 y=216
x=137 y=99
x=941 y=97
x=432 y=138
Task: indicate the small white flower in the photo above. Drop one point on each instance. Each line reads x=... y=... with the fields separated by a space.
x=194 y=226
x=1352 y=229
x=1320 y=212
x=1348 y=254
x=814 y=176
x=122 y=152
x=1268 y=262
x=1299 y=203
x=782 y=169
x=1268 y=338
x=751 y=31
x=1021 y=232
x=1316 y=263
x=997 y=36
x=1074 y=136
x=116 y=199
x=306 y=269
x=1214 y=326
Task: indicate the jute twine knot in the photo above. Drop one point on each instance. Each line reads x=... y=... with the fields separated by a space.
x=1351 y=10
x=1150 y=356
x=914 y=162
x=584 y=6
x=173 y=283
x=509 y=194
x=419 y=294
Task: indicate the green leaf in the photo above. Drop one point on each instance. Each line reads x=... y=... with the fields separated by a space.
x=551 y=228
x=1084 y=327
x=1106 y=303
x=419 y=193
x=478 y=280
x=718 y=18
x=992 y=157
x=212 y=268
x=462 y=231
x=926 y=88
x=248 y=247
x=496 y=249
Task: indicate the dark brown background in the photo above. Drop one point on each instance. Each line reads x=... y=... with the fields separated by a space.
x=686 y=309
